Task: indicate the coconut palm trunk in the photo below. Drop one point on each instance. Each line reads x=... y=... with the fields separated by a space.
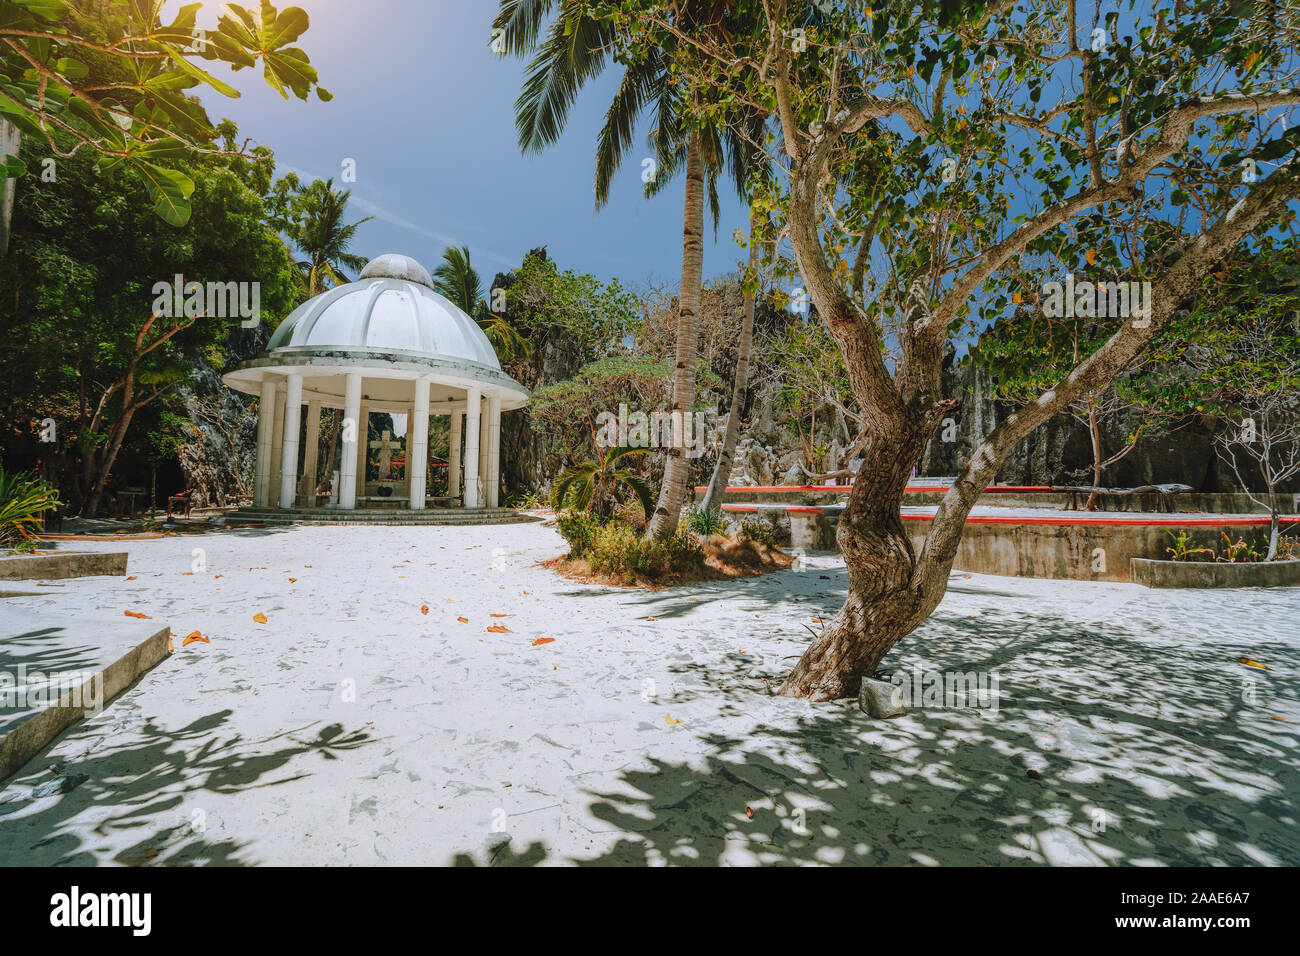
x=672 y=493
x=722 y=470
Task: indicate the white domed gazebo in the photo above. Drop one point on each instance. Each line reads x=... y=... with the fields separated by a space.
x=385 y=343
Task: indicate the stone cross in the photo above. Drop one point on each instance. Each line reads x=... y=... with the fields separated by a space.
x=386 y=447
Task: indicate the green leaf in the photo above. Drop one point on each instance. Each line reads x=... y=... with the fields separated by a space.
x=47 y=9
x=72 y=69
x=170 y=190
x=225 y=89
x=12 y=166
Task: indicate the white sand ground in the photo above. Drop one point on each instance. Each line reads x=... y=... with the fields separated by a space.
x=1124 y=735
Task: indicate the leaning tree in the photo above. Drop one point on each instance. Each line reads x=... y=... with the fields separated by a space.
x=927 y=153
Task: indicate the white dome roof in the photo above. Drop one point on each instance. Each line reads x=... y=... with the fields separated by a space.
x=390 y=308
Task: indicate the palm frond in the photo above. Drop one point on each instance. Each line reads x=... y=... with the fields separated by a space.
x=574 y=52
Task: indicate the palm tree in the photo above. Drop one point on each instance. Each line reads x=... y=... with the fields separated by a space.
x=575 y=50
x=598 y=483
x=316 y=227
x=458 y=280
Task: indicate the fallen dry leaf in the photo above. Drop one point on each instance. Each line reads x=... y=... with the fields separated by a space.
x=424 y=609
x=463 y=620
x=137 y=614
x=259 y=617
x=171 y=646
x=544 y=640
x=131 y=578
x=1249 y=663
x=652 y=619
x=669 y=719
x=292 y=580
x=500 y=615
x=194 y=637
x=749 y=812
x=498 y=629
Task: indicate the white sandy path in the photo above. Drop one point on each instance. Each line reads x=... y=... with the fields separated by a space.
x=1123 y=739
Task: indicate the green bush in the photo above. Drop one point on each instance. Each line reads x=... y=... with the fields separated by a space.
x=684 y=551
x=620 y=551
x=579 y=530
x=706 y=521
x=22 y=501
x=758 y=531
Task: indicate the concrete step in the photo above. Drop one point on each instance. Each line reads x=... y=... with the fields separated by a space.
x=324 y=516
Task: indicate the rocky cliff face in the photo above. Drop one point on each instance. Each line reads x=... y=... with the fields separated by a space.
x=1060 y=453
x=219 y=454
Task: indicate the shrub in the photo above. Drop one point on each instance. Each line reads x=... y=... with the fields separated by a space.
x=758 y=531
x=684 y=551
x=579 y=530
x=22 y=501
x=620 y=551
x=706 y=521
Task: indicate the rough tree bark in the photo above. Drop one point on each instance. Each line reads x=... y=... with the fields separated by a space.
x=672 y=493
x=722 y=470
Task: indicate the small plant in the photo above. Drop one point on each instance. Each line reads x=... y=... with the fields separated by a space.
x=600 y=485
x=706 y=521
x=1238 y=551
x=1182 y=550
x=1288 y=548
x=758 y=531
x=579 y=530
x=22 y=502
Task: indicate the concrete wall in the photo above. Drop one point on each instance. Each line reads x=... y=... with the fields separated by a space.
x=1072 y=552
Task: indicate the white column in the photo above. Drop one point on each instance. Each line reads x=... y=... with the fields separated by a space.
x=311 y=452
x=351 y=426
x=453 y=454
x=410 y=438
x=417 y=443
x=494 y=452
x=265 y=425
x=277 y=437
x=473 y=413
x=363 y=448
x=483 y=443
x=292 y=432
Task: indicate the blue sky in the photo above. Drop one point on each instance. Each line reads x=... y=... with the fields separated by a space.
x=427 y=112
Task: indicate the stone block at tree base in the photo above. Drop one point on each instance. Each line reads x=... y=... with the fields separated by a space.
x=881 y=699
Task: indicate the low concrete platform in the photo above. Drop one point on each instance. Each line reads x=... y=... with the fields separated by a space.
x=67 y=564
x=55 y=670
x=1205 y=574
